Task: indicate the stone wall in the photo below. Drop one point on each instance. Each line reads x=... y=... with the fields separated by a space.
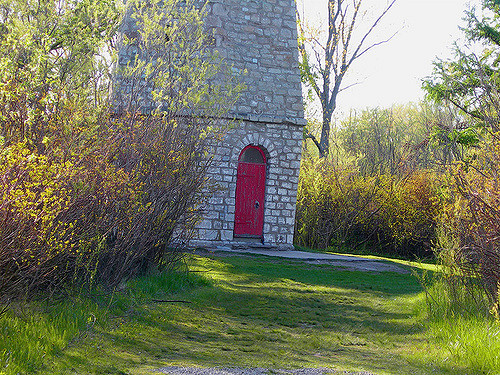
x=282 y=144
x=259 y=39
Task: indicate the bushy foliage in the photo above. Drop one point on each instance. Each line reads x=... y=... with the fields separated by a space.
x=469 y=229
x=470 y=224
x=379 y=189
x=54 y=67
x=99 y=216
x=333 y=204
x=339 y=207
x=86 y=196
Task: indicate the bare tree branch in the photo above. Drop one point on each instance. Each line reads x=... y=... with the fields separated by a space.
x=367 y=34
x=314 y=139
x=377 y=44
x=334 y=58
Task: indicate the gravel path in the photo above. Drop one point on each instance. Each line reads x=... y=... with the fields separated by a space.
x=174 y=370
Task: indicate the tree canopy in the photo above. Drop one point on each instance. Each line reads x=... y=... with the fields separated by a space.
x=471 y=80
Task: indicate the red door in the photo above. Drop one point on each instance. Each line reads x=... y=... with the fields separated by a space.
x=250 y=193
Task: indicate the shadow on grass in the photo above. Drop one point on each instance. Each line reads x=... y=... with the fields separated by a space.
x=277 y=314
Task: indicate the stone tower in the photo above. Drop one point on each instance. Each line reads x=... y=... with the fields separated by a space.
x=257 y=164
x=259 y=36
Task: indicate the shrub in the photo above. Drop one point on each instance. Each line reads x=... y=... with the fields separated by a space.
x=86 y=197
x=470 y=225
x=339 y=207
x=332 y=204
x=103 y=215
x=409 y=211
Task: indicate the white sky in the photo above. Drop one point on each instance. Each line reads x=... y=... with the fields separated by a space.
x=392 y=73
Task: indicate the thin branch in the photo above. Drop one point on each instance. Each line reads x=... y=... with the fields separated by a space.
x=314 y=139
x=360 y=45
x=377 y=44
x=349 y=86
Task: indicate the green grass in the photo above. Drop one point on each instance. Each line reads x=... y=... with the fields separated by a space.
x=473 y=343
x=460 y=321
x=33 y=333
x=252 y=312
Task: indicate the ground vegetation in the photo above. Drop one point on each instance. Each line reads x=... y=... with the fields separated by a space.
x=427 y=178
x=378 y=190
x=468 y=240
x=238 y=311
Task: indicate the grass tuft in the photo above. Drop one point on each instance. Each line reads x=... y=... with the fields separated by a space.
x=245 y=312
x=473 y=342
x=460 y=322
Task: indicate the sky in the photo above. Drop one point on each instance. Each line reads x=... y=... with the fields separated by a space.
x=392 y=73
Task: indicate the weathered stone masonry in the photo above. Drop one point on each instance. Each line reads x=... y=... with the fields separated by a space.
x=282 y=145
x=259 y=37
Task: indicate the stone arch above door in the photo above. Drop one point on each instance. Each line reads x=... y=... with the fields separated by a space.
x=254 y=140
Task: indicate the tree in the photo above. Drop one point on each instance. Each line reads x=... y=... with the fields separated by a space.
x=333 y=59
x=54 y=58
x=471 y=81
x=167 y=64
x=86 y=196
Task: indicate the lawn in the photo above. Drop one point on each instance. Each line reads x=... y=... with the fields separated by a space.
x=244 y=311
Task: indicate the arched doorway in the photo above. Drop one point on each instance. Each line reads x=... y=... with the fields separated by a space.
x=250 y=193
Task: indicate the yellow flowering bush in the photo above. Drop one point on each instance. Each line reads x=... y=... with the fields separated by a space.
x=90 y=193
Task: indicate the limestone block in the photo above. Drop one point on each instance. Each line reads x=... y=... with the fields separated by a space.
x=205 y=224
x=227 y=235
x=209 y=235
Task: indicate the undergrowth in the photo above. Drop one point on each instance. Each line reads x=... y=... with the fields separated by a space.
x=33 y=331
x=255 y=312
x=261 y=312
x=458 y=318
